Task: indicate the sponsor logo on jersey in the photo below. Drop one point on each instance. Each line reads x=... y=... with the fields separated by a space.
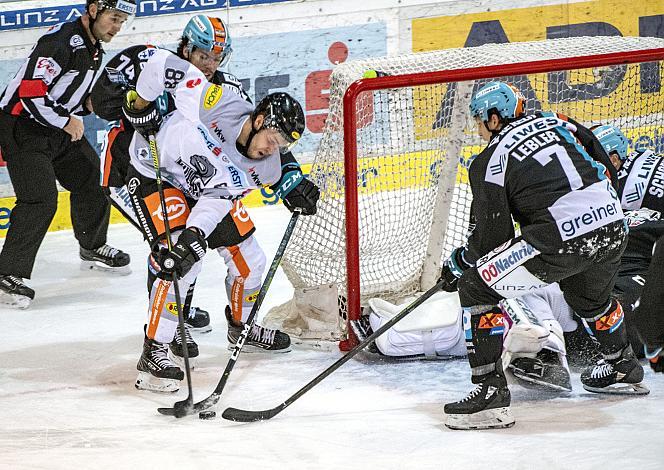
x=493 y=322
x=217 y=131
x=147 y=53
x=254 y=176
x=194 y=83
x=212 y=96
x=584 y=210
x=590 y=219
x=208 y=141
x=46 y=69
x=76 y=41
x=504 y=262
x=235 y=176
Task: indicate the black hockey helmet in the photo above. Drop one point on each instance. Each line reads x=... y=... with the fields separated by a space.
x=124 y=6
x=282 y=112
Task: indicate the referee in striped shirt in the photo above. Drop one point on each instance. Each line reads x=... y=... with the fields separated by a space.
x=41 y=137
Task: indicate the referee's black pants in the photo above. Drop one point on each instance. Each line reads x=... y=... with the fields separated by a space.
x=36 y=157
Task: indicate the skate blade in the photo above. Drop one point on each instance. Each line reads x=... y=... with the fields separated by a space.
x=620 y=389
x=146 y=381
x=201 y=330
x=496 y=418
x=540 y=383
x=179 y=361
x=99 y=266
x=248 y=348
x=15 y=300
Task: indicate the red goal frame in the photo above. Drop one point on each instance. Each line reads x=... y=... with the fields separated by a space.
x=443 y=76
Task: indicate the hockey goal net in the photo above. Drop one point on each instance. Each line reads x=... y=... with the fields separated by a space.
x=392 y=163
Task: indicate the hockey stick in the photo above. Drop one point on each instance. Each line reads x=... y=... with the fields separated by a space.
x=246 y=416
x=185 y=407
x=167 y=228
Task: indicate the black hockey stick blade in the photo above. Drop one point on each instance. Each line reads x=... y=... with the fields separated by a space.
x=247 y=416
x=186 y=407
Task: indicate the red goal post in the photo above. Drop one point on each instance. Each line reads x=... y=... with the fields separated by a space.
x=375 y=122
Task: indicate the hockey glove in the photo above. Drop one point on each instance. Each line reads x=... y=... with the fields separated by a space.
x=298 y=192
x=146 y=121
x=452 y=270
x=189 y=249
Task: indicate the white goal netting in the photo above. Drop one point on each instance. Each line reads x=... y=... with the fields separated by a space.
x=414 y=144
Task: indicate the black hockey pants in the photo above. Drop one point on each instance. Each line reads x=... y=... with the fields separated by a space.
x=36 y=157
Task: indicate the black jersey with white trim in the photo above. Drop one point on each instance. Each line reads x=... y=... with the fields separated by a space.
x=543 y=171
x=55 y=80
x=641 y=181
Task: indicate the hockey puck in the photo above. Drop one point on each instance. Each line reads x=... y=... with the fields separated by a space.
x=207 y=415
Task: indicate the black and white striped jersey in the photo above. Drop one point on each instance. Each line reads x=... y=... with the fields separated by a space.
x=56 y=78
x=641 y=181
x=543 y=171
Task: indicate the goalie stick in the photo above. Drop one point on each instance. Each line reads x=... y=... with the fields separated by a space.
x=154 y=153
x=246 y=416
x=187 y=407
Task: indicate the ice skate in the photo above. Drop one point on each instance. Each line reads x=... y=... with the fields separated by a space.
x=175 y=348
x=260 y=339
x=14 y=293
x=156 y=372
x=485 y=407
x=545 y=370
x=621 y=376
x=105 y=258
x=199 y=320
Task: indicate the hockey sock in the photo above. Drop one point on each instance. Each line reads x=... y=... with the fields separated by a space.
x=483 y=327
x=609 y=330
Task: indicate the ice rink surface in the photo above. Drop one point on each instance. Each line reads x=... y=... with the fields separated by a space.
x=67 y=399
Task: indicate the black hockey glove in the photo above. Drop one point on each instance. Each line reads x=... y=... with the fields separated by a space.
x=453 y=268
x=189 y=248
x=146 y=121
x=298 y=192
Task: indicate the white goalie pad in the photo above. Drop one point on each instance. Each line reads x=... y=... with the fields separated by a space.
x=432 y=329
x=312 y=314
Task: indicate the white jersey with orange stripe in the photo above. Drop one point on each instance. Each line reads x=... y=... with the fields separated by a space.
x=197 y=143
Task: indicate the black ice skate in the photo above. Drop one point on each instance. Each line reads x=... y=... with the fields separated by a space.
x=485 y=407
x=14 y=293
x=105 y=258
x=199 y=320
x=545 y=370
x=156 y=372
x=175 y=348
x=260 y=339
x=621 y=376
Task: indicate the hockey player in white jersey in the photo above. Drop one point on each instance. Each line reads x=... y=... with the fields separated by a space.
x=640 y=173
x=214 y=149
